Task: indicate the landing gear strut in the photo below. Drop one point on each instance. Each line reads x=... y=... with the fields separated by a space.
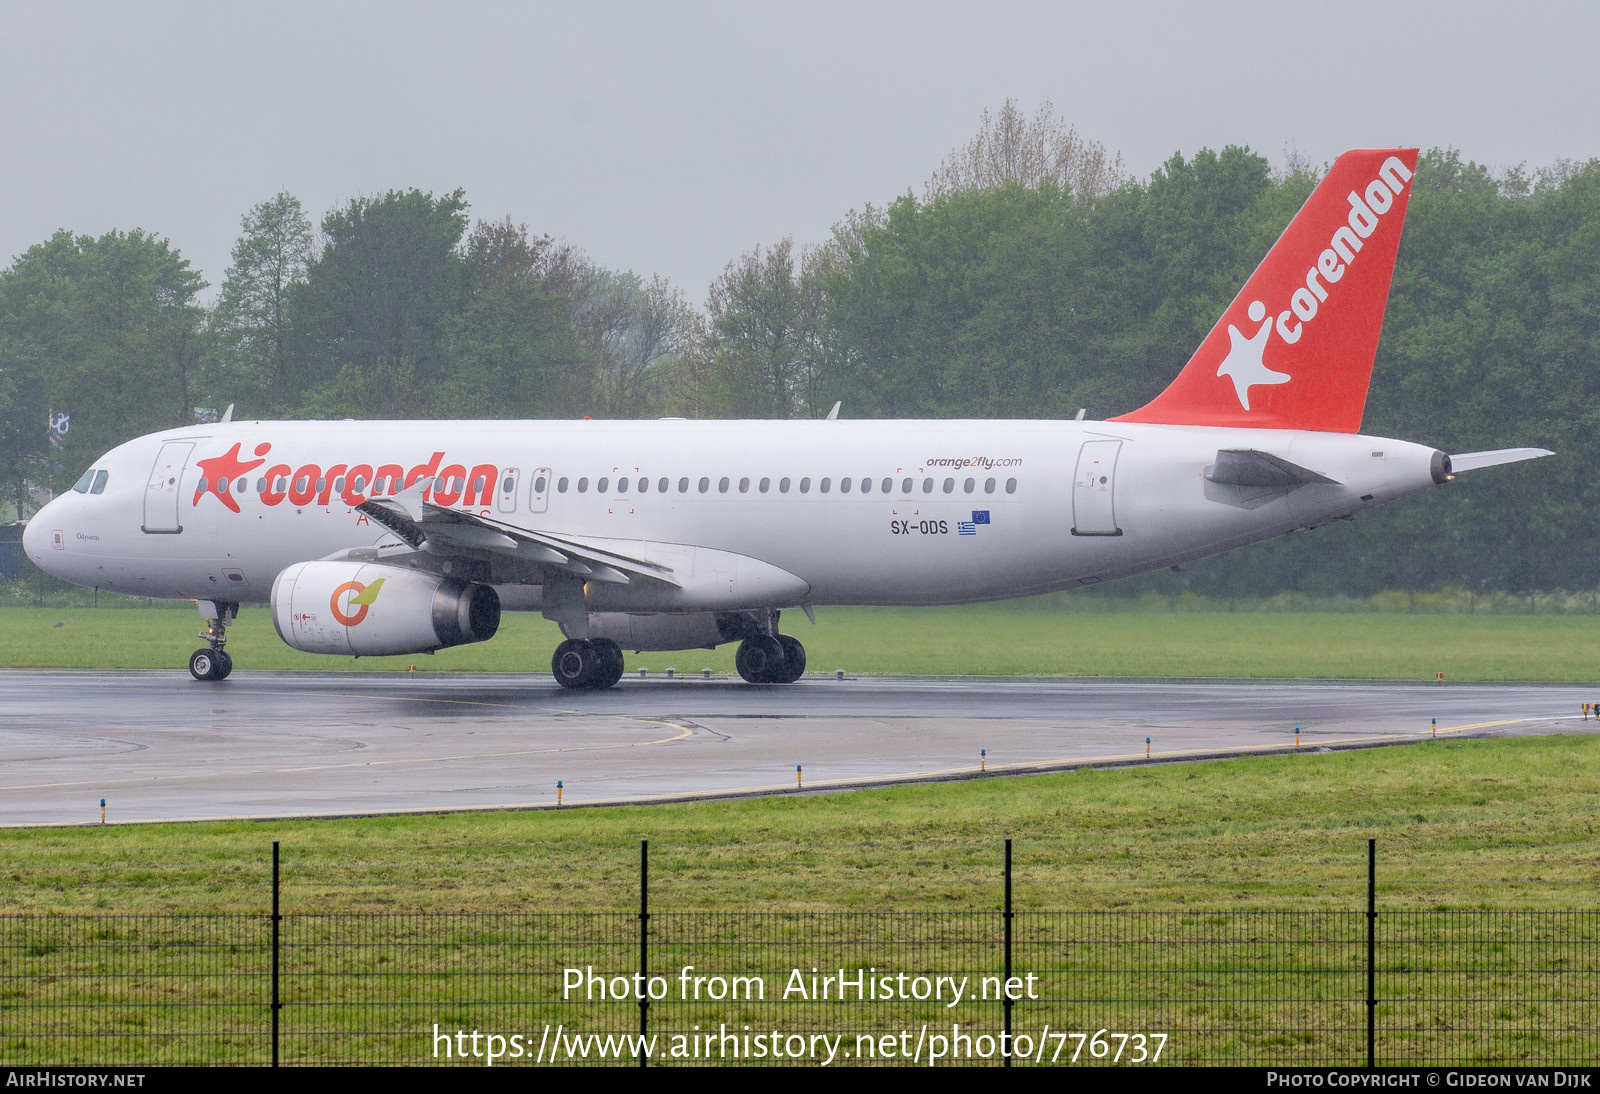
x=213 y=662
x=585 y=665
x=765 y=659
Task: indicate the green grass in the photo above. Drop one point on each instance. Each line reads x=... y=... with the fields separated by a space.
x=1460 y=823
x=985 y=640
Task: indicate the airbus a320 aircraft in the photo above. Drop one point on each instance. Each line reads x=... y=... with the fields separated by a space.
x=369 y=538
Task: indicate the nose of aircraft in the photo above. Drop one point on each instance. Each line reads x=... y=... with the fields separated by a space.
x=38 y=538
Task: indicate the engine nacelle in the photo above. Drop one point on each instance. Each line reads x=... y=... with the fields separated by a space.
x=369 y=610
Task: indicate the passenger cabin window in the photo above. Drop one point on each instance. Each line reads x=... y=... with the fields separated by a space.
x=823 y=485
x=705 y=484
x=905 y=487
x=661 y=484
x=888 y=486
x=561 y=485
x=949 y=486
x=764 y=484
x=988 y=486
x=783 y=485
x=1011 y=486
x=968 y=485
x=744 y=485
x=805 y=486
x=722 y=485
x=538 y=485
x=600 y=487
x=622 y=486
x=583 y=485
x=683 y=486
x=644 y=485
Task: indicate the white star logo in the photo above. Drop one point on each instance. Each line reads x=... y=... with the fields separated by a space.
x=1243 y=363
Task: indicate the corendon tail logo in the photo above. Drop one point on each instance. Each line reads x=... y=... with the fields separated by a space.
x=1244 y=364
x=226 y=478
x=361 y=597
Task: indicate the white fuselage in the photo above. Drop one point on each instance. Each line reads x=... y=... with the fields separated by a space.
x=955 y=511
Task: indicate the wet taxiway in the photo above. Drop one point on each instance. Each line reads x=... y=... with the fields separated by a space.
x=157 y=745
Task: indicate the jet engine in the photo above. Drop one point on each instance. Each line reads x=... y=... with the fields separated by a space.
x=369 y=610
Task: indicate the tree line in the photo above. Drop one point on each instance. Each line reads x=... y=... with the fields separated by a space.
x=1031 y=278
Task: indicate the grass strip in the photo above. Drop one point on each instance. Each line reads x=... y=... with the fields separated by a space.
x=984 y=640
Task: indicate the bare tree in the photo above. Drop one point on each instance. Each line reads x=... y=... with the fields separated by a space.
x=630 y=328
x=1011 y=148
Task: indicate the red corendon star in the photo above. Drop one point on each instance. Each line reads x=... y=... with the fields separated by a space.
x=225 y=468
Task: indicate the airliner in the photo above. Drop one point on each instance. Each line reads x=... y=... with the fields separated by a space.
x=366 y=538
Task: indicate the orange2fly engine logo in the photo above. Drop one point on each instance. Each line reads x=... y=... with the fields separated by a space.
x=227 y=478
x=363 y=598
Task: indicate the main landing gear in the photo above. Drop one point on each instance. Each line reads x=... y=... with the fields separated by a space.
x=213 y=662
x=585 y=665
x=765 y=659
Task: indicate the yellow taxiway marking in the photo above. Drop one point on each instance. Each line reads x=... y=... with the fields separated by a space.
x=1029 y=765
x=682 y=733
x=1279 y=746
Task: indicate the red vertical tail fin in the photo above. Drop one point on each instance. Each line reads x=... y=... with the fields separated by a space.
x=1295 y=348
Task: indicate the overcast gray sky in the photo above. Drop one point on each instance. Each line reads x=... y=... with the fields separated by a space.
x=670 y=138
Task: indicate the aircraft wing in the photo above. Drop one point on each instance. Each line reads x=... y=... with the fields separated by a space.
x=426 y=526
x=1471 y=461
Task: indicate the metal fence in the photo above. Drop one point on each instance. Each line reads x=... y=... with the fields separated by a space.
x=1338 y=988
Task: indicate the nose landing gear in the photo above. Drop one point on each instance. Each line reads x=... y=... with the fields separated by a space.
x=213 y=662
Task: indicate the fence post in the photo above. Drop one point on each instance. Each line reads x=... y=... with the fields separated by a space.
x=1005 y=1040
x=276 y=1004
x=1372 y=949
x=644 y=946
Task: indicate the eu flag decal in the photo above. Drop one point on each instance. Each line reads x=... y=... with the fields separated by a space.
x=980 y=516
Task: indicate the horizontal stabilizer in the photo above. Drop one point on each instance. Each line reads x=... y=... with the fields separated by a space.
x=1471 y=461
x=1248 y=467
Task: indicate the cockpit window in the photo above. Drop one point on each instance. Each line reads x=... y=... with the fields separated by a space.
x=99 y=486
x=82 y=485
